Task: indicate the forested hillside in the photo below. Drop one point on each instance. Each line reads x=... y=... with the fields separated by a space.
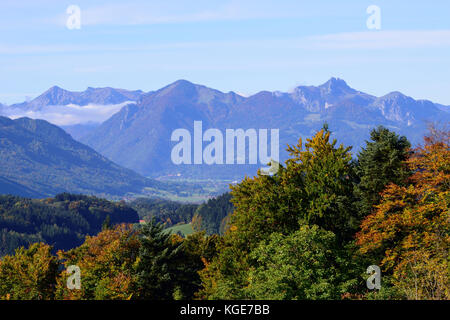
x=39 y=159
x=213 y=216
x=63 y=221
x=163 y=211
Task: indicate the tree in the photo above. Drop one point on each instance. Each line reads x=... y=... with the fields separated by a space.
x=315 y=187
x=411 y=225
x=166 y=268
x=326 y=177
x=381 y=162
x=107 y=223
x=298 y=266
x=30 y=274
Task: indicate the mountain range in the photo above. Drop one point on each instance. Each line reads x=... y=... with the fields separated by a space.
x=39 y=159
x=138 y=135
x=56 y=96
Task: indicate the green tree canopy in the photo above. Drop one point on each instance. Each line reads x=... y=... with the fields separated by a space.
x=315 y=187
x=298 y=266
x=381 y=162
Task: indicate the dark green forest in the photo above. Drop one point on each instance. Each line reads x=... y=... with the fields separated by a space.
x=63 y=221
x=164 y=211
x=213 y=216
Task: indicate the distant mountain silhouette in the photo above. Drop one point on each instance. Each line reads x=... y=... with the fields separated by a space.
x=57 y=96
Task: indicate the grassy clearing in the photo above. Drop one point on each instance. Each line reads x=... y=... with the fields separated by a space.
x=185 y=229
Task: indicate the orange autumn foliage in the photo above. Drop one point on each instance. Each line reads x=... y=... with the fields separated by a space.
x=411 y=224
x=106 y=261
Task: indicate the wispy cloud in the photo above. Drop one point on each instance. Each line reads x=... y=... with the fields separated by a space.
x=93 y=69
x=69 y=114
x=163 y=12
x=400 y=39
x=382 y=39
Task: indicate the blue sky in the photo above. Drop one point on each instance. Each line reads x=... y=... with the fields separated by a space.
x=243 y=46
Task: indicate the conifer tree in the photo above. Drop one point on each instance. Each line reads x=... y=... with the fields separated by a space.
x=381 y=162
x=165 y=268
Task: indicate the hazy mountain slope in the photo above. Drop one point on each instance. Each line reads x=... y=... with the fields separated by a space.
x=442 y=107
x=10 y=187
x=143 y=130
x=78 y=131
x=46 y=160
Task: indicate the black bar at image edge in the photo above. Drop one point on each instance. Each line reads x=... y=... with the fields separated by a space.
x=222 y=309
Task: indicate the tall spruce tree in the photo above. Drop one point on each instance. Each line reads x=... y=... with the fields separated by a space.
x=381 y=162
x=166 y=269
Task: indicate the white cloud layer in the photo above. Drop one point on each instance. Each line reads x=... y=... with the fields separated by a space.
x=156 y=12
x=68 y=115
x=382 y=39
